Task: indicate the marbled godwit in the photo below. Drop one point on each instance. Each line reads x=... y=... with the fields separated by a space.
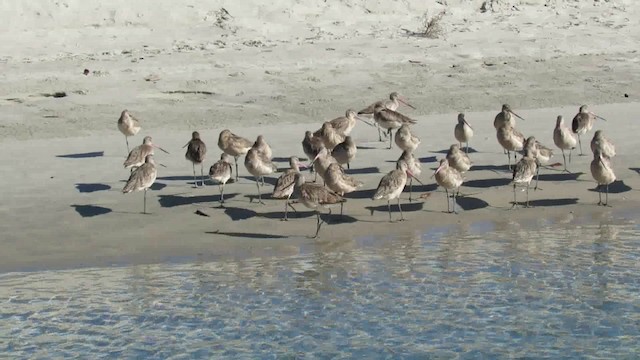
x=142 y=178
x=463 y=132
x=221 y=172
x=345 y=151
x=458 y=159
x=128 y=126
x=233 y=145
x=523 y=173
x=390 y=120
x=330 y=136
x=311 y=145
x=138 y=155
x=583 y=123
x=511 y=140
x=344 y=124
x=196 y=151
x=392 y=184
x=405 y=139
x=258 y=165
x=285 y=184
x=603 y=174
x=414 y=166
x=339 y=182
x=564 y=139
x=540 y=153
x=322 y=161
x=602 y=144
x=316 y=197
x=392 y=104
x=505 y=117
x=450 y=179
x=264 y=148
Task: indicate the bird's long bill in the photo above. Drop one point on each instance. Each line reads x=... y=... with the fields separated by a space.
x=438 y=169
x=163 y=165
x=465 y=121
x=185 y=145
x=599 y=117
x=365 y=121
x=413 y=176
x=163 y=150
x=406 y=103
x=518 y=116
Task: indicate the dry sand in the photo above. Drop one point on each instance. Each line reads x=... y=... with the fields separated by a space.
x=279 y=70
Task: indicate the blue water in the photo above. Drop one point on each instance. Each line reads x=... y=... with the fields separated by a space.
x=491 y=290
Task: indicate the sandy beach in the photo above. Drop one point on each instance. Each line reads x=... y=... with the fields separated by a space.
x=278 y=71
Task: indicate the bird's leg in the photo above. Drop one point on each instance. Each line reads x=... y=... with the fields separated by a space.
x=144 y=211
x=390 y=138
x=599 y=188
x=515 y=202
x=379 y=132
x=389 y=209
x=527 y=195
x=509 y=159
x=410 y=187
x=258 y=187
x=262 y=180
x=317 y=224
x=221 y=193
x=348 y=167
x=291 y=205
x=580 y=142
x=466 y=148
x=315 y=177
x=127 y=140
x=202 y=173
x=564 y=160
x=400 y=208
x=236 y=158
x=447 y=192
x=195 y=182
x=537 y=176
x=454 y=202
x=570 y=151
x=606 y=196
x=341 y=206
x=285 y=210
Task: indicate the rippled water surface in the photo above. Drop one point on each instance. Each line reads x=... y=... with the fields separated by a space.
x=483 y=291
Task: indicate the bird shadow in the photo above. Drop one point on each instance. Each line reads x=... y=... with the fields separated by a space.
x=361 y=194
x=267 y=180
x=90 y=210
x=236 y=213
x=615 y=187
x=406 y=207
x=177 y=178
x=360 y=147
x=427 y=159
x=560 y=176
x=551 y=202
x=247 y=235
x=503 y=168
x=169 y=201
x=336 y=218
x=291 y=214
x=471 y=203
x=487 y=183
x=282 y=159
x=421 y=188
x=158 y=186
x=254 y=197
x=82 y=155
x=91 y=187
x=637 y=170
x=366 y=170
x=445 y=151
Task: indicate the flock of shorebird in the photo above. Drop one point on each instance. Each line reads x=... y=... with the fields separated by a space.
x=331 y=147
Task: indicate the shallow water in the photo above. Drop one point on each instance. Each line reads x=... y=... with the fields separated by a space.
x=554 y=288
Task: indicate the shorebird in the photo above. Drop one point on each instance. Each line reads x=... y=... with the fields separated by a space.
x=540 y=153
x=523 y=173
x=603 y=174
x=506 y=116
x=322 y=161
x=128 y=126
x=344 y=124
x=316 y=197
x=261 y=146
x=450 y=179
x=233 y=145
x=142 y=178
x=390 y=120
x=285 y=184
x=414 y=166
x=463 y=132
x=458 y=159
x=345 y=151
x=311 y=145
x=221 y=172
x=339 y=182
x=405 y=139
x=196 y=151
x=602 y=144
x=583 y=123
x=258 y=165
x=511 y=140
x=392 y=184
x=330 y=136
x=392 y=103
x=564 y=139
x=138 y=155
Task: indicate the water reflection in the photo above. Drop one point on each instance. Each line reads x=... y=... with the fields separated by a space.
x=505 y=289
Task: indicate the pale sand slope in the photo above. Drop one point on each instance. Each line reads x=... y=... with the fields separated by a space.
x=288 y=62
